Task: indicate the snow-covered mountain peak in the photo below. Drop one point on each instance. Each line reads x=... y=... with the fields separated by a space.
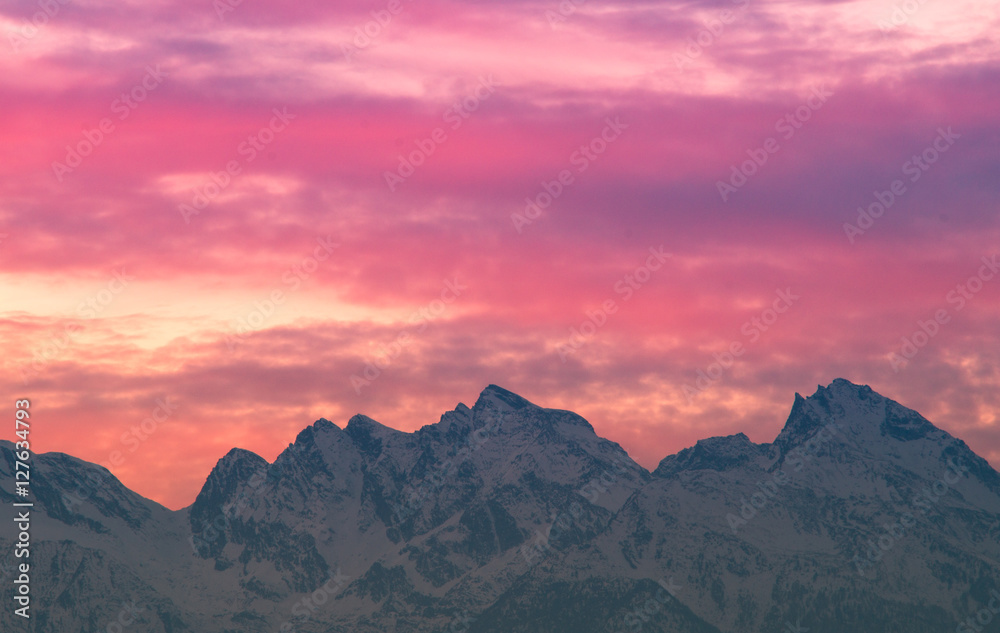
x=239 y=458
x=318 y=428
x=842 y=400
x=370 y=436
x=308 y=436
x=857 y=427
x=714 y=453
x=499 y=399
x=228 y=476
x=235 y=467
x=362 y=421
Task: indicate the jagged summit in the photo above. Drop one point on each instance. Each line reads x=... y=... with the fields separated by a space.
x=236 y=463
x=230 y=473
x=868 y=416
x=843 y=383
x=361 y=423
x=368 y=435
x=863 y=421
x=239 y=456
x=836 y=399
x=307 y=436
x=861 y=415
x=843 y=389
x=495 y=397
x=321 y=425
x=807 y=415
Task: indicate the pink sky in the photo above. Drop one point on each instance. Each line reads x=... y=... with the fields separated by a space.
x=116 y=297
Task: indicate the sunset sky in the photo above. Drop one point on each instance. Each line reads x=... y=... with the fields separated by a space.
x=217 y=215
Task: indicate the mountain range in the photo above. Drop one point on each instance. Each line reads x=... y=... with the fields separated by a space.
x=860 y=516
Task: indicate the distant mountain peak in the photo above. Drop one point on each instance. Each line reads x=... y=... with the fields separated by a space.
x=369 y=435
x=228 y=475
x=714 y=453
x=833 y=401
x=843 y=388
x=307 y=436
x=241 y=455
x=494 y=397
x=323 y=423
x=362 y=421
x=876 y=423
x=237 y=463
x=844 y=382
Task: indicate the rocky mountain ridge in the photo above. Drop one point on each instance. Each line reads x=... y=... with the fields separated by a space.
x=507 y=516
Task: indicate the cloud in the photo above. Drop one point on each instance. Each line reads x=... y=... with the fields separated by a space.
x=276 y=190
